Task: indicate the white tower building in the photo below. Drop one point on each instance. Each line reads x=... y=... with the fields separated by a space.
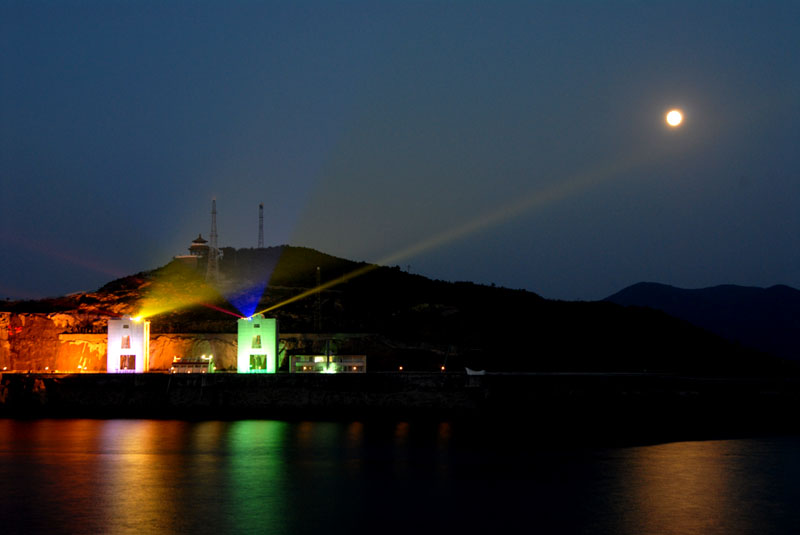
x=128 y=346
x=258 y=345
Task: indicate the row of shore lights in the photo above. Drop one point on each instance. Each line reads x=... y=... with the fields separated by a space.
x=47 y=368
x=204 y=357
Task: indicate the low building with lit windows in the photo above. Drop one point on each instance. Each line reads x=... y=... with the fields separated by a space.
x=328 y=364
x=202 y=364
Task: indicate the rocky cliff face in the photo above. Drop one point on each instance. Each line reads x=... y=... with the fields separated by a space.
x=31 y=342
x=80 y=352
x=5 y=345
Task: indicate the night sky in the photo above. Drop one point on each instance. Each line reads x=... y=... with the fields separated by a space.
x=515 y=143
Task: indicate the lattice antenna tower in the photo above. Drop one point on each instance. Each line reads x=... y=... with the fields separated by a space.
x=261 y=225
x=212 y=273
x=319 y=302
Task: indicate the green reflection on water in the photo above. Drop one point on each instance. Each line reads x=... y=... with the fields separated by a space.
x=257 y=476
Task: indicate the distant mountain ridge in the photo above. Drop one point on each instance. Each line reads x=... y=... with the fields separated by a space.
x=766 y=319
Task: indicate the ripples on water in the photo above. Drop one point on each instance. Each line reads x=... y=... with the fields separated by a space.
x=145 y=476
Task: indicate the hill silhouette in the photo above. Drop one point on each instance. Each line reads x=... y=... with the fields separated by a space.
x=766 y=319
x=398 y=318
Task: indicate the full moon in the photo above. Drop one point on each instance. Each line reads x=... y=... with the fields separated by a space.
x=674 y=117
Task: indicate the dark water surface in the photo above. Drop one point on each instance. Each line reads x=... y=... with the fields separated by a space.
x=149 y=476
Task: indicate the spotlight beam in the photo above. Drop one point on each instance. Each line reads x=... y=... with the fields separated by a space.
x=574 y=185
x=334 y=282
x=535 y=200
x=163 y=298
x=219 y=309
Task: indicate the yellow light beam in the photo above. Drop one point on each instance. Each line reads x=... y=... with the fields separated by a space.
x=339 y=280
x=175 y=287
x=547 y=195
x=537 y=199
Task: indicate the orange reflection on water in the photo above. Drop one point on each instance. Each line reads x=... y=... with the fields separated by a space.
x=354 y=434
x=136 y=481
x=401 y=433
x=685 y=487
x=54 y=455
x=352 y=448
x=303 y=434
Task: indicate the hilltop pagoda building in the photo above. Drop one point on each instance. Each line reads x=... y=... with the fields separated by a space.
x=198 y=254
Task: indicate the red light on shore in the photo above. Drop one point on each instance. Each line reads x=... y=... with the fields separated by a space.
x=400 y=368
x=442 y=368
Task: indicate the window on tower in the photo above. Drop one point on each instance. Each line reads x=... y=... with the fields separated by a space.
x=258 y=362
x=127 y=362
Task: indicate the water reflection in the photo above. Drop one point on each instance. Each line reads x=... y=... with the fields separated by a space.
x=256 y=476
x=686 y=488
x=134 y=468
x=701 y=487
x=47 y=475
x=145 y=477
x=353 y=449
